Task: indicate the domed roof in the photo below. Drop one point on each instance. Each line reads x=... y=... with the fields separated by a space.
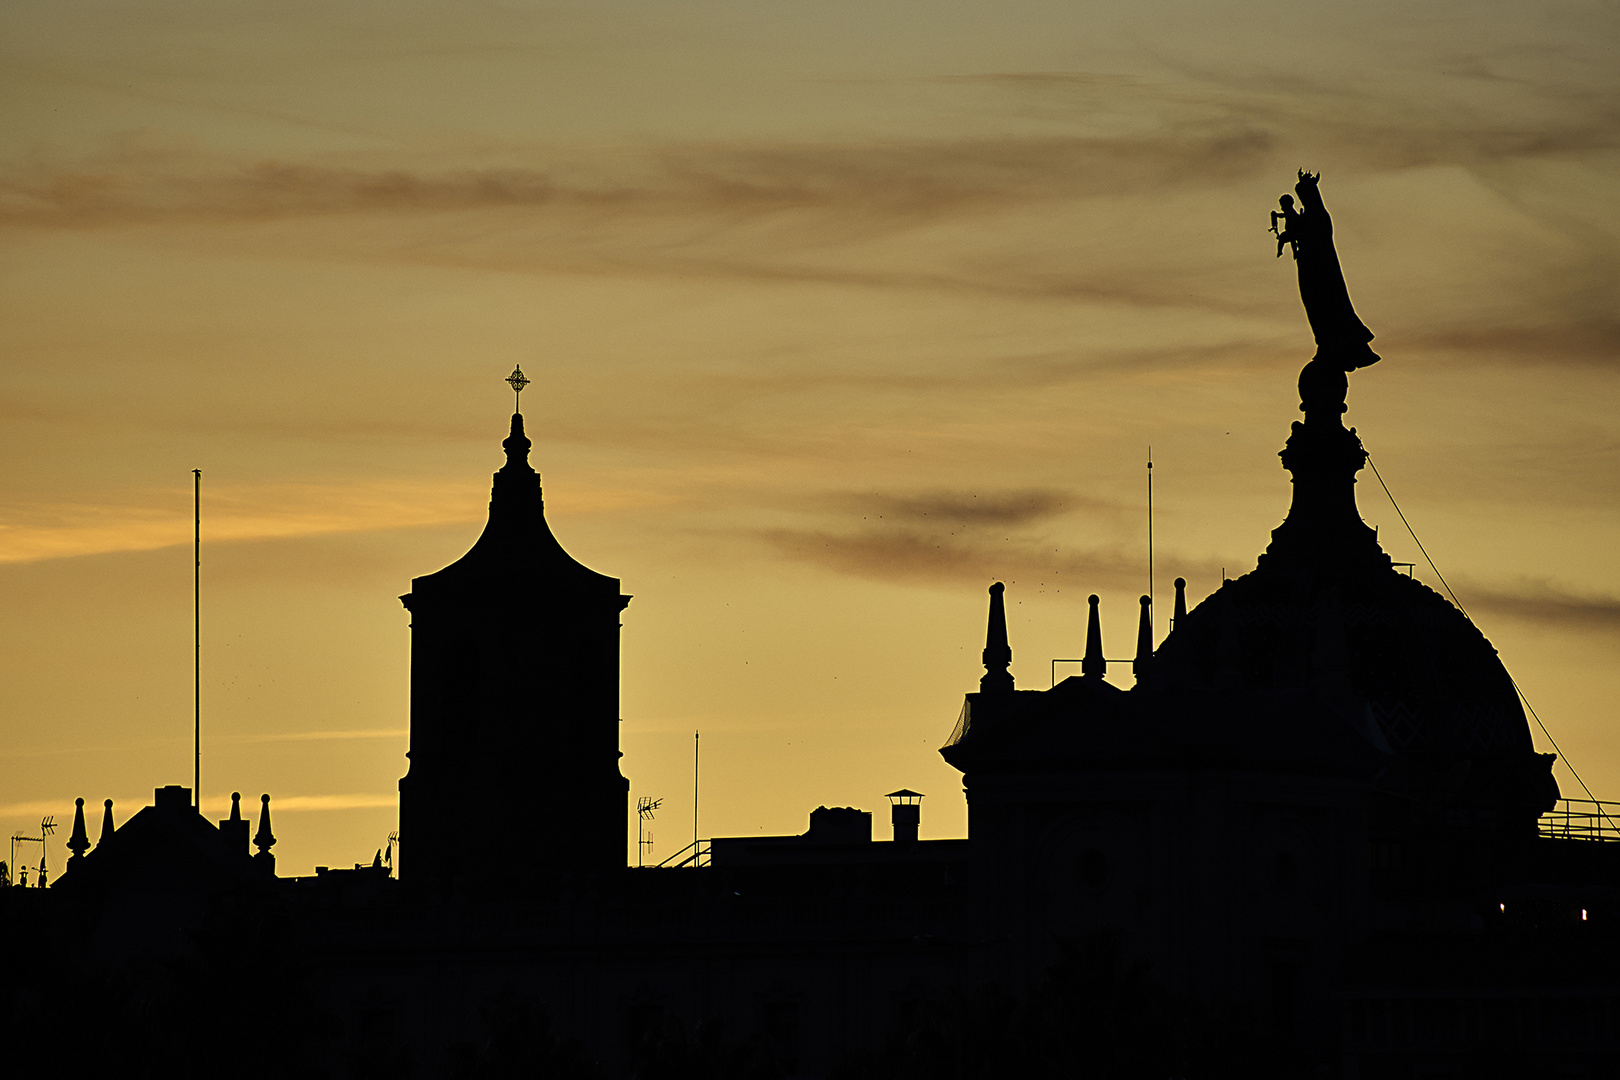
x=1433 y=682
x=1325 y=611
x=1323 y=661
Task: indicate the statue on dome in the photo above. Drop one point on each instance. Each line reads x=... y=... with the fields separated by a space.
x=1341 y=337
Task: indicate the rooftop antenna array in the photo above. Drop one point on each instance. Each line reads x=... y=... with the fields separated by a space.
x=645 y=806
x=388 y=852
x=47 y=826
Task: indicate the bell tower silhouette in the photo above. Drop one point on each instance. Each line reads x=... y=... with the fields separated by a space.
x=514 y=707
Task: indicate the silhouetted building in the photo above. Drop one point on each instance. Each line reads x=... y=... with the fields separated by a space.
x=514 y=702
x=1321 y=752
x=1313 y=838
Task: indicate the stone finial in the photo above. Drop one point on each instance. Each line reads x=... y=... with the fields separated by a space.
x=1092 y=665
x=517 y=445
x=997 y=653
x=234 y=830
x=106 y=824
x=79 y=842
x=1144 y=639
x=1180 y=611
x=264 y=840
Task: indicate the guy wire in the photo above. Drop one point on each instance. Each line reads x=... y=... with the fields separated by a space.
x=1517 y=689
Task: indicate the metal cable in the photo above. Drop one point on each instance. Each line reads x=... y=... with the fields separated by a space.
x=1522 y=696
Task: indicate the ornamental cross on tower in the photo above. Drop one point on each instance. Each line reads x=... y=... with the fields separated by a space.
x=518 y=381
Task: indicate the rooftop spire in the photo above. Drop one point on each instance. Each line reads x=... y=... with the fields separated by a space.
x=517 y=446
x=79 y=842
x=518 y=381
x=1144 y=639
x=1092 y=665
x=263 y=839
x=234 y=829
x=106 y=825
x=1181 y=602
x=997 y=653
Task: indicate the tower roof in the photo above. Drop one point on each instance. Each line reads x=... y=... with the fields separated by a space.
x=517 y=551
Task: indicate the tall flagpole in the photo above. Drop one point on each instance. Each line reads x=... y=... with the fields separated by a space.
x=196 y=632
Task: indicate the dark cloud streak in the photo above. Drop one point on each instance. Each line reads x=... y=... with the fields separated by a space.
x=1593 y=342
x=913 y=556
x=1543 y=602
x=901 y=182
x=967 y=508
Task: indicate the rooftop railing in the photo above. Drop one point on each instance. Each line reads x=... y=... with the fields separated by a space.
x=695 y=855
x=1581 y=819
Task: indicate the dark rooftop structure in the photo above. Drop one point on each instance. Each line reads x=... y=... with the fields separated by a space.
x=1313 y=838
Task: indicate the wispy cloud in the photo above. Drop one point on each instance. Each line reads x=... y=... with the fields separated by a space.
x=125 y=808
x=60 y=809
x=963 y=536
x=1183 y=135
x=318 y=736
x=965 y=508
x=828 y=211
x=358 y=801
x=294 y=736
x=913 y=556
x=1543 y=602
x=252 y=512
x=55 y=530
x=264 y=192
x=895 y=182
x=1591 y=341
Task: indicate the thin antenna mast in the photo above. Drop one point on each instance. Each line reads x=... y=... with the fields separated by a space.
x=694 y=797
x=645 y=808
x=47 y=826
x=196 y=634
x=1150 y=533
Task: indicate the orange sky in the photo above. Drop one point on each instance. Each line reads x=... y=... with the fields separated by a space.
x=836 y=314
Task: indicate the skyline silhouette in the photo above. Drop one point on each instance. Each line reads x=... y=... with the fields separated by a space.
x=1314 y=834
x=824 y=340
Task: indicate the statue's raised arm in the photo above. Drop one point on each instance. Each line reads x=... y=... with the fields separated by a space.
x=1341 y=337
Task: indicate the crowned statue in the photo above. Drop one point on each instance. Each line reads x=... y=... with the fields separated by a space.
x=1341 y=337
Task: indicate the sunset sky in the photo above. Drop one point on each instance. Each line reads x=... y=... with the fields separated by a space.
x=836 y=313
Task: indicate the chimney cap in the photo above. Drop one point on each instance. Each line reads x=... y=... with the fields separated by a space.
x=903 y=794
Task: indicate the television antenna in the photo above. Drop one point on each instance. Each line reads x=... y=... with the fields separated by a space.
x=388 y=851
x=47 y=826
x=644 y=814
